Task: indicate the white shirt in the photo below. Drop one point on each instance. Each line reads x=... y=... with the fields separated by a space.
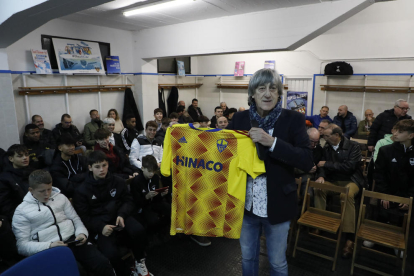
x=256 y=191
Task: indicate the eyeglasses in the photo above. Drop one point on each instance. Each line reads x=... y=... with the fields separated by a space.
x=68 y=123
x=403 y=108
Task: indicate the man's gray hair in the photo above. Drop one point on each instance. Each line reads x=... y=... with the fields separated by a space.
x=397 y=102
x=108 y=121
x=263 y=77
x=312 y=129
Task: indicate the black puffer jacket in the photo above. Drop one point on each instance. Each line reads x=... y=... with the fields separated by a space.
x=343 y=164
x=46 y=137
x=382 y=125
x=394 y=170
x=72 y=130
x=141 y=186
x=100 y=202
x=14 y=185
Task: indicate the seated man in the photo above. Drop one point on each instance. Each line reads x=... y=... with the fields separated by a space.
x=346 y=121
x=225 y=109
x=231 y=113
x=118 y=162
x=129 y=133
x=160 y=134
x=340 y=167
x=35 y=147
x=68 y=170
x=203 y=120
x=323 y=115
x=53 y=223
x=66 y=126
x=180 y=112
x=194 y=111
x=91 y=127
x=218 y=112
x=322 y=126
x=365 y=125
x=158 y=114
x=222 y=122
x=46 y=135
x=105 y=206
x=146 y=145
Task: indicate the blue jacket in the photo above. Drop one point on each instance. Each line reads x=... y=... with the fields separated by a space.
x=316 y=119
x=350 y=122
x=291 y=151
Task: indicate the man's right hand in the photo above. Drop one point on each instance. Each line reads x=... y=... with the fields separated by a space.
x=151 y=194
x=57 y=243
x=320 y=180
x=385 y=204
x=371 y=148
x=107 y=230
x=313 y=169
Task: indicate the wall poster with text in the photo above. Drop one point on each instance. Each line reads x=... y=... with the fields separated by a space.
x=77 y=56
x=41 y=62
x=297 y=101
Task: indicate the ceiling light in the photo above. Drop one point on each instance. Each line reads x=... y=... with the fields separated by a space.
x=156 y=7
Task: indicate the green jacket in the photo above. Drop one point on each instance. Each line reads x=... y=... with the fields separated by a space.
x=383 y=142
x=88 y=133
x=361 y=128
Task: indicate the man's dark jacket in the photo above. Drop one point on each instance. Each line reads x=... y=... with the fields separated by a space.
x=348 y=124
x=46 y=137
x=130 y=107
x=68 y=175
x=382 y=125
x=37 y=151
x=100 y=202
x=291 y=150
x=14 y=185
x=141 y=186
x=72 y=130
x=193 y=113
x=160 y=136
x=343 y=164
x=394 y=170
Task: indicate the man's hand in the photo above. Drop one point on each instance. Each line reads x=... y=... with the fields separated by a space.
x=313 y=169
x=135 y=174
x=385 y=204
x=164 y=193
x=79 y=143
x=403 y=206
x=107 y=230
x=81 y=237
x=320 y=180
x=120 y=222
x=57 y=243
x=151 y=194
x=321 y=164
x=258 y=135
x=371 y=148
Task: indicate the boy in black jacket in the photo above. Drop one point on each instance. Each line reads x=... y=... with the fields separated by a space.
x=35 y=146
x=68 y=170
x=105 y=206
x=155 y=210
x=394 y=167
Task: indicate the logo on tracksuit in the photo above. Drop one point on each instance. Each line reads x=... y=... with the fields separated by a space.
x=113 y=192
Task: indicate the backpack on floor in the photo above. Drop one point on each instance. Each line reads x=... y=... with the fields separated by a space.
x=339 y=68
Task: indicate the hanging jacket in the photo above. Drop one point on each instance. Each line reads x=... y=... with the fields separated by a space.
x=142 y=147
x=161 y=102
x=172 y=100
x=36 y=225
x=130 y=107
x=14 y=184
x=100 y=202
x=348 y=124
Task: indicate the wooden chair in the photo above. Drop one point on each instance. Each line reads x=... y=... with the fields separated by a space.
x=322 y=220
x=382 y=233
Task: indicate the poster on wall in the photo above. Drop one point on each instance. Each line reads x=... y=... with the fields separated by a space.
x=41 y=62
x=180 y=68
x=77 y=56
x=112 y=65
x=297 y=101
x=270 y=64
x=239 y=69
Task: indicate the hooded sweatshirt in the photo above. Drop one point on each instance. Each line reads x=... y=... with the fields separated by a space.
x=36 y=225
x=383 y=142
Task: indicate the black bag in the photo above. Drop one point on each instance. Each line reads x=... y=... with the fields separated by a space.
x=339 y=68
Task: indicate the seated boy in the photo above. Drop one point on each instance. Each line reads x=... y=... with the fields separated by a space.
x=46 y=219
x=68 y=169
x=105 y=206
x=155 y=210
x=203 y=120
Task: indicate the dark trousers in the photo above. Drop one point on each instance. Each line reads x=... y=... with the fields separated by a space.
x=8 y=249
x=132 y=236
x=92 y=259
x=157 y=215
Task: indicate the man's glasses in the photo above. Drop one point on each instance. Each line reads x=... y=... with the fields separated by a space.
x=68 y=123
x=403 y=108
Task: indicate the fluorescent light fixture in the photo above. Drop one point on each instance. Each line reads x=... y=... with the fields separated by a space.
x=157 y=7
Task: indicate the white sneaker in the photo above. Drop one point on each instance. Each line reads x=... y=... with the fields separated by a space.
x=401 y=253
x=368 y=244
x=142 y=268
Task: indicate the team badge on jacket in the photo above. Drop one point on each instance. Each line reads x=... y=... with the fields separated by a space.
x=113 y=192
x=221 y=145
x=412 y=161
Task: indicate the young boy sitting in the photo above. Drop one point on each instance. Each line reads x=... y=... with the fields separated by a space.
x=46 y=219
x=158 y=115
x=155 y=210
x=203 y=120
x=105 y=206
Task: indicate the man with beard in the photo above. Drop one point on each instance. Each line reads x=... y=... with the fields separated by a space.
x=91 y=127
x=46 y=135
x=346 y=121
x=35 y=146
